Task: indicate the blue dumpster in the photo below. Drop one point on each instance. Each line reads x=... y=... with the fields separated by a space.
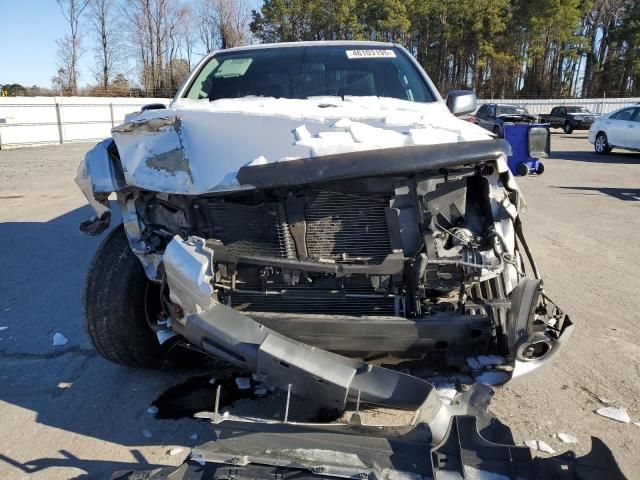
x=529 y=142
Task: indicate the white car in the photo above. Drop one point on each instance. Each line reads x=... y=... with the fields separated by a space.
x=619 y=129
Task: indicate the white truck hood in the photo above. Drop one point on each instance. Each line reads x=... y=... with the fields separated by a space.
x=197 y=146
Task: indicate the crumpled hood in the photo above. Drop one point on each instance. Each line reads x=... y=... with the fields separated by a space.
x=197 y=146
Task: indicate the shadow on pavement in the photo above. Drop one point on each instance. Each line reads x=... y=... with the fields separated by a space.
x=68 y=460
x=625 y=158
x=626 y=194
x=44 y=265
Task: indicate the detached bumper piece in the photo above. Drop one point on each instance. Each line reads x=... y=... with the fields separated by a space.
x=252 y=451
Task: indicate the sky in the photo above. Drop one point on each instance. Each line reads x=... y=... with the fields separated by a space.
x=28 y=33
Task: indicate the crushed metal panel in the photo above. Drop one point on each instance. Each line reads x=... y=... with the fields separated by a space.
x=305 y=368
x=152 y=149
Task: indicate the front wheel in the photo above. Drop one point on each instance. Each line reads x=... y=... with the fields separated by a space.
x=120 y=304
x=601 y=145
x=522 y=169
x=568 y=128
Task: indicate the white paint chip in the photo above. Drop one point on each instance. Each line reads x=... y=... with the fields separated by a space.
x=567 y=438
x=152 y=410
x=3 y=328
x=59 y=340
x=64 y=385
x=194 y=436
x=614 y=413
x=175 y=451
x=539 y=445
x=146 y=433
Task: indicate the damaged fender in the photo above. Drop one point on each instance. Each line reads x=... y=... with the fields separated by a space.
x=98 y=176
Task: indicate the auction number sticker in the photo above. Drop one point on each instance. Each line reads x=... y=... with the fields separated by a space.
x=371 y=54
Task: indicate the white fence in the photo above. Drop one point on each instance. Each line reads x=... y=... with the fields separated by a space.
x=599 y=106
x=47 y=120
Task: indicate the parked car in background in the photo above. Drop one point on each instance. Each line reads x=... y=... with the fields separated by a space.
x=569 y=118
x=493 y=116
x=619 y=129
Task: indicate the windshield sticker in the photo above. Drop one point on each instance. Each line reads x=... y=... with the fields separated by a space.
x=371 y=54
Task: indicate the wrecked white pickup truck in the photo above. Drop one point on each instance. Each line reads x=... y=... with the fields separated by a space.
x=311 y=212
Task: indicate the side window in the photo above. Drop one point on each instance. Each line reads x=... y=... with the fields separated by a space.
x=562 y=111
x=492 y=111
x=482 y=111
x=625 y=114
x=636 y=115
x=555 y=111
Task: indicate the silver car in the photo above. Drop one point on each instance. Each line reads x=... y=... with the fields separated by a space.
x=619 y=129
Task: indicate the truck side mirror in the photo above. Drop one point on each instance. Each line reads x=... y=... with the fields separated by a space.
x=461 y=102
x=153 y=106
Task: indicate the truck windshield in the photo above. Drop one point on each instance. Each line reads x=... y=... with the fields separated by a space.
x=511 y=110
x=577 y=110
x=304 y=72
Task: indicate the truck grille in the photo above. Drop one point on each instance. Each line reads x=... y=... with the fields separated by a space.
x=340 y=227
x=306 y=299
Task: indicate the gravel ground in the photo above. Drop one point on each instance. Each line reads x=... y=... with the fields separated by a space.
x=583 y=224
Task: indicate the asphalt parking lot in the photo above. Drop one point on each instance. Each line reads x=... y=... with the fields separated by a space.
x=583 y=224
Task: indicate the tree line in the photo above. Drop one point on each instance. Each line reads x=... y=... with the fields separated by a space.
x=498 y=48
x=144 y=47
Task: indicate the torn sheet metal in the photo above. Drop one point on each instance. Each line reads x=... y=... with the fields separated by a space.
x=98 y=177
x=153 y=152
x=261 y=451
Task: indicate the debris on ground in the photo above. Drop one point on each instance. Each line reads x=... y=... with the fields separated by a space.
x=446 y=393
x=492 y=377
x=473 y=363
x=146 y=433
x=152 y=410
x=243 y=383
x=567 y=438
x=604 y=400
x=3 y=328
x=637 y=424
x=175 y=451
x=539 y=445
x=59 y=340
x=64 y=385
x=194 y=436
x=615 y=413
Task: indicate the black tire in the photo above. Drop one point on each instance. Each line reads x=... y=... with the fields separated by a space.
x=568 y=128
x=522 y=169
x=540 y=169
x=118 y=300
x=601 y=145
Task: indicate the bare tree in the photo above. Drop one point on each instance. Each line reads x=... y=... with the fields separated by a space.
x=69 y=47
x=206 y=13
x=233 y=22
x=155 y=27
x=106 y=31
